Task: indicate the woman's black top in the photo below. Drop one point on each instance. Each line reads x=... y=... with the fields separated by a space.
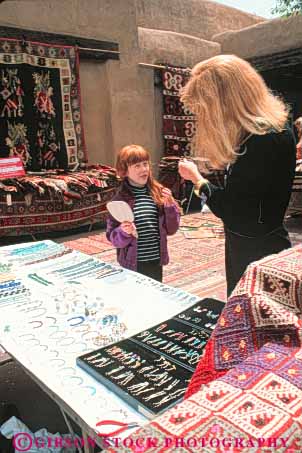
x=257 y=186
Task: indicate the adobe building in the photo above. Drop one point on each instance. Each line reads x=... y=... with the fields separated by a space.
x=121 y=104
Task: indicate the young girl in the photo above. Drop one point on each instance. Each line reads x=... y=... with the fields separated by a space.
x=142 y=245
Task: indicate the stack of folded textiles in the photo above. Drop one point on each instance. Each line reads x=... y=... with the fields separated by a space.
x=59 y=184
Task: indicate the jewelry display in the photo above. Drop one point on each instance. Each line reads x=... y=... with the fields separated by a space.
x=63 y=316
x=151 y=369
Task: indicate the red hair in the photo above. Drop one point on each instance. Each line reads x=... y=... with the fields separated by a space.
x=134 y=154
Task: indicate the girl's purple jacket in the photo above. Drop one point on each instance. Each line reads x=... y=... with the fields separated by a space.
x=126 y=244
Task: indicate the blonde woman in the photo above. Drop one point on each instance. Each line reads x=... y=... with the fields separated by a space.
x=241 y=126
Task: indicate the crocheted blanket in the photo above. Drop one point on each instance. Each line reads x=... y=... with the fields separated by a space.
x=266 y=306
x=246 y=392
x=256 y=407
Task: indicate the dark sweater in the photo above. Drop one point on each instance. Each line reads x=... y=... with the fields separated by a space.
x=258 y=185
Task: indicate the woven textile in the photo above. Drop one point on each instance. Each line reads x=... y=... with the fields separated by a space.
x=266 y=306
x=178 y=122
x=55 y=200
x=46 y=215
x=178 y=131
x=256 y=407
x=40 y=105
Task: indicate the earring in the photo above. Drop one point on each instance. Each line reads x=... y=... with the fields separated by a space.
x=154 y=395
x=116 y=370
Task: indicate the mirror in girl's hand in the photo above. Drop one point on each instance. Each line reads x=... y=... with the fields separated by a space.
x=121 y=211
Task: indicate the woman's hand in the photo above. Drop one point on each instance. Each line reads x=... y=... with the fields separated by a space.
x=129 y=228
x=167 y=196
x=189 y=171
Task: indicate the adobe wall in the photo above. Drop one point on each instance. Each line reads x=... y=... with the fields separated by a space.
x=199 y=18
x=263 y=39
x=111 y=92
x=120 y=103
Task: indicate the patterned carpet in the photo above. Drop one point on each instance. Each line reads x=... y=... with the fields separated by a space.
x=196 y=265
x=91 y=245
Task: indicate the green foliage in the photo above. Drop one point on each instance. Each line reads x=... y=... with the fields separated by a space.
x=287 y=8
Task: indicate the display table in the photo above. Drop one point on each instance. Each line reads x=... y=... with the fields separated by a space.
x=57 y=304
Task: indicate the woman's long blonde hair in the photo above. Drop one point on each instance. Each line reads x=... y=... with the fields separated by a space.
x=133 y=154
x=230 y=100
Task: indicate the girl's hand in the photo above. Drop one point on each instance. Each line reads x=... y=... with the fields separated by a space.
x=167 y=196
x=189 y=171
x=129 y=228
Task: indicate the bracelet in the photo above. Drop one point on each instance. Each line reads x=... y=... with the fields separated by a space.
x=91 y=388
x=43 y=346
x=37 y=324
x=198 y=186
x=58 y=360
x=81 y=319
